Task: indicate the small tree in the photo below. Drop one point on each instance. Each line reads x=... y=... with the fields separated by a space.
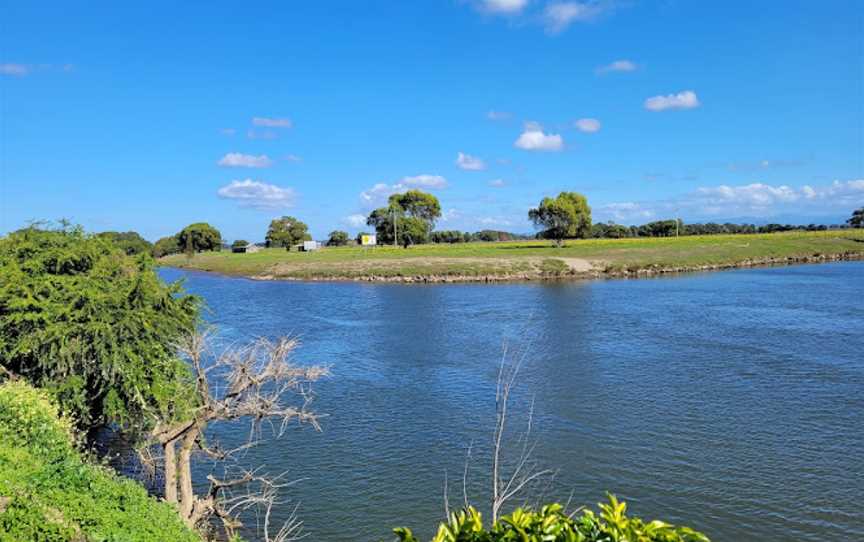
x=857 y=220
x=414 y=213
x=250 y=384
x=130 y=242
x=567 y=216
x=199 y=237
x=287 y=231
x=338 y=238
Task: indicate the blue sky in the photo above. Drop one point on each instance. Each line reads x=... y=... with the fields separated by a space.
x=154 y=115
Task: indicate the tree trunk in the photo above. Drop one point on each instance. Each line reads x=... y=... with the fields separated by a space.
x=184 y=466
x=170 y=471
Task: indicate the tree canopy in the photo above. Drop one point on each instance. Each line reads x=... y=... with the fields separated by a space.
x=287 y=231
x=414 y=212
x=338 y=238
x=199 y=237
x=166 y=246
x=94 y=326
x=857 y=220
x=131 y=242
x=566 y=216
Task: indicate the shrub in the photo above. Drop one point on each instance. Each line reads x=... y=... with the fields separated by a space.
x=552 y=524
x=97 y=327
x=50 y=494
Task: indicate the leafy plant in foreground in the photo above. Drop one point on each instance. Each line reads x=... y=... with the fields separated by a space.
x=551 y=524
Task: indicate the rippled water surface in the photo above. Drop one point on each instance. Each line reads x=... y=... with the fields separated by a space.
x=732 y=401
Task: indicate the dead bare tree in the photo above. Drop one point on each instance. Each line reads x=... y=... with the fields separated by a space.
x=252 y=383
x=524 y=471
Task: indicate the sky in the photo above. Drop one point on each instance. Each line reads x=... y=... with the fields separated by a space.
x=149 y=116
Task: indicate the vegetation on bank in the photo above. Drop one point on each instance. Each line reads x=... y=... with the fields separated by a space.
x=552 y=523
x=49 y=493
x=525 y=260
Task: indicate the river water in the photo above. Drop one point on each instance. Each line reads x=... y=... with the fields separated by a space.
x=732 y=402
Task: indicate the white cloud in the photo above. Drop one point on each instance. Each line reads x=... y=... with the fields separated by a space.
x=249 y=193
x=378 y=194
x=16 y=70
x=559 y=15
x=355 y=220
x=261 y=134
x=267 y=122
x=450 y=215
x=432 y=182
x=468 y=162
x=755 y=201
x=292 y=158
x=498 y=115
x=683 y=100
x=494 y=221
x=618 y=66
x=534 y=139
x=501 y=7
x=228 y=131
x=587 y=125
x=236 y=159
x=497 y=183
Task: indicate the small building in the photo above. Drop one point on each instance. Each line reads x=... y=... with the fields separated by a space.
x=239 y=249
x=309 y=246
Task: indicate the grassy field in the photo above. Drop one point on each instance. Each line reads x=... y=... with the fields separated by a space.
x=527 y=260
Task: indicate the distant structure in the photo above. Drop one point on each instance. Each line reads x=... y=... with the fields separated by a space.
x=309 y=246
x=245 y=249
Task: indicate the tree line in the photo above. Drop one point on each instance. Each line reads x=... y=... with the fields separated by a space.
x=409 y=219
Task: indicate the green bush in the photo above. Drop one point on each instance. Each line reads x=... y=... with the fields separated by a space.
x=97 y=327
x=49 y=494
x=552 y=524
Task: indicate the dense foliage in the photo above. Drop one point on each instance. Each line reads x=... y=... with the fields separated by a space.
x=286 y=232
x=94 y=326
x=857 y=219
x=414 y=213
x=48 y=493
x=130 y=242
x=552 y=524
x=566 y=216
x=166 y=246
x=338 y=238
x=672 y=228
x=199 y=237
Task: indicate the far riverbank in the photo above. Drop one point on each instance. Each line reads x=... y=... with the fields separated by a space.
x=533 y=260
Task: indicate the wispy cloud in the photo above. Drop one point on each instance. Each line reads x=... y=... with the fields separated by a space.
x=587 y=125
x=618 y=66
x=236 y=159
x=268 y=122
x=378 y=194
x=261 y=134
x=533 y=138
x=497 y=183
x=257 y=194
x=15 y=70
x=559 y=15
x=683 y=100
x=501 y=7
x=754 y=200
x=292 y=158
x=228 y=131
x=470 y=163
x=355 y=221
x=499 y=115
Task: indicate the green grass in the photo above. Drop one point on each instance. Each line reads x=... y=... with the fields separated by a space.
x=48 y=493
x=530 y=259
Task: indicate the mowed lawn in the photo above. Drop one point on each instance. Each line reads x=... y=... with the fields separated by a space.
x=526 y=258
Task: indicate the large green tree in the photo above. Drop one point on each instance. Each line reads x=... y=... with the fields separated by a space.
x=94 y=326
x=131 y=242
x=338 y=238
x=414 y=213
x=199 y=237
x=857 y=220
x=287 y=231
x=166 y=246
x=566 y=216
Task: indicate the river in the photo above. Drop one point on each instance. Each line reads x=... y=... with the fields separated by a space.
x=732 y=402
